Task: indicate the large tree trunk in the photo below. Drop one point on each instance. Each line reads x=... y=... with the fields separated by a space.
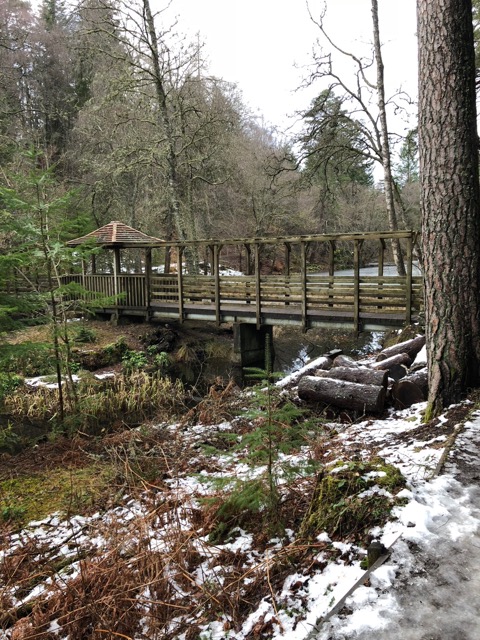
x=173 y=217
x=450 y=197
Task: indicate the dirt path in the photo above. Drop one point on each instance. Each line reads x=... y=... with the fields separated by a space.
x=430 y=587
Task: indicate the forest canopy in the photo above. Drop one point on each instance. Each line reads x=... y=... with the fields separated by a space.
x=122 y=113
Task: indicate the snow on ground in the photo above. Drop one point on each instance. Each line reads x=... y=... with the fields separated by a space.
x=428 y=589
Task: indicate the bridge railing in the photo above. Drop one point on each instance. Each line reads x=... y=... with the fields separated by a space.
x=385 y=295
x=294 y=283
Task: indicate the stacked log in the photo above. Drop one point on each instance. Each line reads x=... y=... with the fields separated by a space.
x=366 y=398
x=347 y=385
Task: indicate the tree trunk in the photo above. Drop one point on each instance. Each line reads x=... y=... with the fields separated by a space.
x=385 y=151
x=448 y=144
x=173 y=218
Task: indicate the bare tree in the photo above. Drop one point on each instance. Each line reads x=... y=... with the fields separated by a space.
x=362 y=94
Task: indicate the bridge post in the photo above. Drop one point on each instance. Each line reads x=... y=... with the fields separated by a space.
x=408 y=302
x=258 y=287
x=303 y=275
x=249 y=347
x=356 y=286
x=180 y=250
x=216 y=267
x=148 y=280
x=331 y=266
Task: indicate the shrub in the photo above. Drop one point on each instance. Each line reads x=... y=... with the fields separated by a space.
x=28 y=358
x=134 y=361
x=345 y=503
x=85 y=335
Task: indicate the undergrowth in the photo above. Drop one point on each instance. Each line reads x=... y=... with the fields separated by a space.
x=129 y=399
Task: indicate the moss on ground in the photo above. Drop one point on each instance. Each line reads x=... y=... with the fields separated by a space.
x=345 y=503
x=68 y=491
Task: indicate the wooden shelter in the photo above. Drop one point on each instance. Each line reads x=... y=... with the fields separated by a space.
x=117 y=236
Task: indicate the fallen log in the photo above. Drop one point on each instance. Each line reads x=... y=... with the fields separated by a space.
x=340 y=393
x=345 y=361
x=405 y=393
x=361 y=375
x=385 y=365
x=411 y=347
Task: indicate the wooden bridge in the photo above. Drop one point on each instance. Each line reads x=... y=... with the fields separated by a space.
x=278 y=284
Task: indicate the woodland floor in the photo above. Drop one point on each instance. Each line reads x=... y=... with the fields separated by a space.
x=141 y=538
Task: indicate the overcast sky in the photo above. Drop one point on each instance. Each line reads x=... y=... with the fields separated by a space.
x=264 y=45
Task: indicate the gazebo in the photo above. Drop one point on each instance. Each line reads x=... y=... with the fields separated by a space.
x=116 y=236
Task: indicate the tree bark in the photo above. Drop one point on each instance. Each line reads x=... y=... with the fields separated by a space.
x=448 y=144
x=345 y=395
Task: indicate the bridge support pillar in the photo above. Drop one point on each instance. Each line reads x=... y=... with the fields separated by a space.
x=251 y=347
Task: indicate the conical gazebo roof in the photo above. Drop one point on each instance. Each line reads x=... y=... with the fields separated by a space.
x=116 y=234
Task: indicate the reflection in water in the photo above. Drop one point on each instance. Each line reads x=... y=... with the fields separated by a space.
x=294 y=348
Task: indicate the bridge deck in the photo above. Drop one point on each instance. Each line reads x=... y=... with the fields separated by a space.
x=286 y=315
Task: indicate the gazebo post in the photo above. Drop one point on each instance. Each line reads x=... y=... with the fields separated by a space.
x=116 y=272
x=148 y=279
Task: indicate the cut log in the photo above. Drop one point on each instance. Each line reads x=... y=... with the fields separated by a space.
x=411 y=347
x=405 y=393
x=384 y=365
x=420 y=378
x=361 y=375
x=397 y=371
x=340 y=393
x=345 y=361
